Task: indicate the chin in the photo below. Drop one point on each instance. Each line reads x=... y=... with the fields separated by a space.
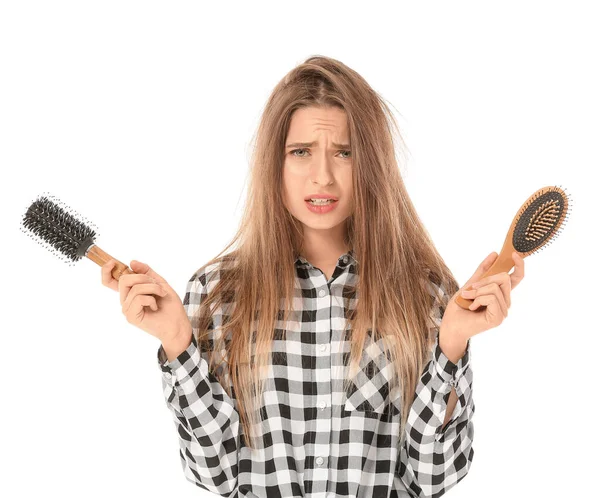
x=321 y=221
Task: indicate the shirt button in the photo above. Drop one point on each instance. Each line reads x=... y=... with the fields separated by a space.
x=323 y=347
x=168 y=375
x=345 y=259
x=322 y=405
x=322 y=292
x=319 y=460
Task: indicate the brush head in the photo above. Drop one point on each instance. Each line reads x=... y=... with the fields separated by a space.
x=60 y=229
x=540 y=219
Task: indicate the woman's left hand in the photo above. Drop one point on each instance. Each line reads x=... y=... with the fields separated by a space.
x=491 y=292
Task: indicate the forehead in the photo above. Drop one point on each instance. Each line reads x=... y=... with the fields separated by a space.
x=318 y=118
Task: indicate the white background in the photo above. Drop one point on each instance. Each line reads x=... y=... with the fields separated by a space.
x=139 y=115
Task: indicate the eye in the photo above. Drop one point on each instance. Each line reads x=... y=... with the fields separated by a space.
x=296 y=150
x=293 y=153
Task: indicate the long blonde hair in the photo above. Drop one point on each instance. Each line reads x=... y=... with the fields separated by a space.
x=403 y=282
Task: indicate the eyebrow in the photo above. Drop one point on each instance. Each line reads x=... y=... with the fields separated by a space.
x=310 y=144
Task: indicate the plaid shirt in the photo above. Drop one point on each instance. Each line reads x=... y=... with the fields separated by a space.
x=320 y=441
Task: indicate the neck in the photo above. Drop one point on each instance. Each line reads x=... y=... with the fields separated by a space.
x=323 y=246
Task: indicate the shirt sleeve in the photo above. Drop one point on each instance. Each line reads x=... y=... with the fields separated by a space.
x=433 y=460
x=207 y=423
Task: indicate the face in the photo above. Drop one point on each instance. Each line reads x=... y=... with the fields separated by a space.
x=321 y=164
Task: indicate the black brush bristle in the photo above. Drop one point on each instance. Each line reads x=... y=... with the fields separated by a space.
x=541 y=219
x=59 y=228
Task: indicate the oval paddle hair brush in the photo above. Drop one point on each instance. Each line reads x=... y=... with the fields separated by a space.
x=536 y=225
x=65 y=233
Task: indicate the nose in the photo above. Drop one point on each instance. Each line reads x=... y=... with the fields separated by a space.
x=321 y=169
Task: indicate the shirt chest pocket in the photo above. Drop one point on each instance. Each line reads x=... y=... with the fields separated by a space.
x=369 y=389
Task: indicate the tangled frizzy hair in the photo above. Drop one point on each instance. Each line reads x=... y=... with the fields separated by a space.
x=403 y=283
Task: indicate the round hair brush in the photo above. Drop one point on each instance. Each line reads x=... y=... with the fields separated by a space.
x=66 y=234
x=536 y=225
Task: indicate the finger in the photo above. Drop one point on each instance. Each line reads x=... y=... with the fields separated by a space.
x=483 y=267
x=134 y=307
x=487 y=311
x=500 y=287
x=496 y=308
x=519 y=270
x=149 y=289
x=501 y=296
x=143 y=301
x=139 y=267
x=502 y=279
x=129 y=281
x=107 y=278
x=145 y=290
x=143 y=268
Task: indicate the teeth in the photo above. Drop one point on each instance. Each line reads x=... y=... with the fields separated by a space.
x=321 y=201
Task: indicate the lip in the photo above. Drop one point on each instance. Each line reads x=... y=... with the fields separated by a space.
x=321 y=196
x=321 y=209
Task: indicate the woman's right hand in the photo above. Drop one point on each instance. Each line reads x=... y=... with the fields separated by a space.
x=149 y=302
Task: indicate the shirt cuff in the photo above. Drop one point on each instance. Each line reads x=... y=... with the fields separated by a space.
x=446 y=370
x=181 y=368
x=450 y=375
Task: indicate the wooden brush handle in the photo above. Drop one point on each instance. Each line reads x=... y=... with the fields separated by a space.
x=100 y=257
x=503 y=263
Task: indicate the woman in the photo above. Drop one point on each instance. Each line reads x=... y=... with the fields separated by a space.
x=324 y=355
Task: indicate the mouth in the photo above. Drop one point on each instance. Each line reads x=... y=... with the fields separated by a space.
x=320 y=202
x=321 y=206
x=316 y=197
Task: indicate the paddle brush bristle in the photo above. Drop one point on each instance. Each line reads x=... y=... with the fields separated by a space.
x=537 y=224
x=541 y=219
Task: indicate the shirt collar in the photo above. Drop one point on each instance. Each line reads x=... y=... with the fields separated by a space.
x=345 y=259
